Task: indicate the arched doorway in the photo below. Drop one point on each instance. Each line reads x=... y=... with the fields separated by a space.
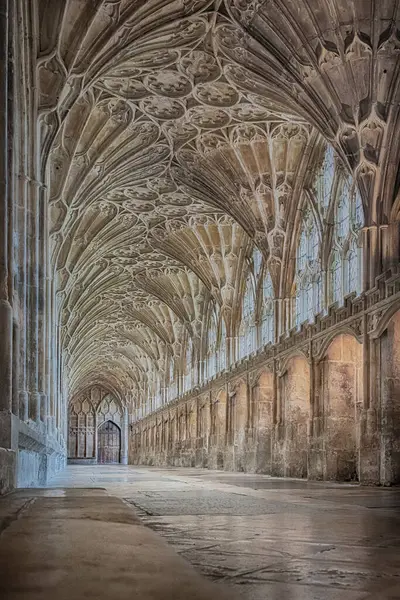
x=108 y=443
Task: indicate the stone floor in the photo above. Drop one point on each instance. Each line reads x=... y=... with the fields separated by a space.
x=253 y=537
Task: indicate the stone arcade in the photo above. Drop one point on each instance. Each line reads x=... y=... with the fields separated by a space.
x=199 y=260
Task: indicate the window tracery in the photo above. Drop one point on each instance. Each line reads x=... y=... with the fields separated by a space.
x=211 y=361
x=247 y=326
x=267 y=311
x=187 y=378
x=325 y=179
x=172 y=386
x=336 y=195
x=308 y=270
x=222 y=354
x=345 y=262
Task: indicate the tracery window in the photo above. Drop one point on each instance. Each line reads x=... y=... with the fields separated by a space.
x=345 y=259
x=267 y=311
x=308 y=271
x=222 y=348
x=187 y=379
x=325 y=178
x=172 y=387
x=211 y=363
x=247 y=327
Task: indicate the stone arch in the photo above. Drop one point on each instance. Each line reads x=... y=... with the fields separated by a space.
x=384 y=319
x=109 y=409
x=286 y=360
x=294 y=416
x=389 y=392
x=330 y=337
x=109 y=442
x=340 y=396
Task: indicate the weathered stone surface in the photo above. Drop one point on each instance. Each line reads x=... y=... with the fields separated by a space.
x=56 y=547
x=194 y=195
x=260 y=537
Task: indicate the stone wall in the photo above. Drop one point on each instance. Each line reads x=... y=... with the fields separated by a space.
x=32 y=403
x=324 y=403
x=87 y=411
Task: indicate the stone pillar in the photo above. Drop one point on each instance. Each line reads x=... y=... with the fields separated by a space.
x=369 y=420
x=15 y=371
x=33 y=304
x=44 y=311
x=24 y=406
x=8 y=426
x=96 y=436
x=6 y=334
x=125 y=437
x=6 y=317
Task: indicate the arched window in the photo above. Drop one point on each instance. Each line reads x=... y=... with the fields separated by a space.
x=346 y=257
x=325 y=179
x=187 y=380
x=247 y=327
x=211 y=362
x=267 y=311
x=222 y=347
x=308 y=271
x=342 y=217
x=172 y=387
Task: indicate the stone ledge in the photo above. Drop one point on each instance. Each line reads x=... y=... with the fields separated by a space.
x=36 y=441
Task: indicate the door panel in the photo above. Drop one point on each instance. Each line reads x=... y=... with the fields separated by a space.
x=109 y=443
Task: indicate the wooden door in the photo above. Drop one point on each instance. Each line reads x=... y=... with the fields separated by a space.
x=109 y=443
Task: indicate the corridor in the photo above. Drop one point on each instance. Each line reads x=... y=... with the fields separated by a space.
x=135 y=532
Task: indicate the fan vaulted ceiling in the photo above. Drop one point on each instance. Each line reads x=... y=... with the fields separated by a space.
x=176 y=136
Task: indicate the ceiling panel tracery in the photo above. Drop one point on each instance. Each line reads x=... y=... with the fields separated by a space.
x=174 y=142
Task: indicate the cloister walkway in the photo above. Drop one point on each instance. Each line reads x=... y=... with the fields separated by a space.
x=97 y=531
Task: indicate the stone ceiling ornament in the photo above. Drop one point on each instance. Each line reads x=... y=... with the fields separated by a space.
x=173 y=137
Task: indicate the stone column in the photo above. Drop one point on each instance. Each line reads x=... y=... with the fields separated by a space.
x=8 y=426
x=125 y=437
x=370 y=409
x=96 y=431
x=6 y=323
x=44 y=312
x=33 y=304
x=15 y=371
